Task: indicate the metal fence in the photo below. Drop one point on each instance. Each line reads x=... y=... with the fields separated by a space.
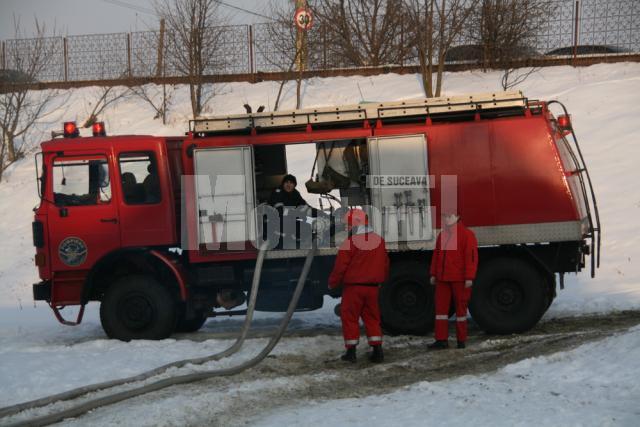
x=244 y=49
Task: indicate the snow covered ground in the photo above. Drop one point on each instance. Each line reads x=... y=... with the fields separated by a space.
x=582 y=387
x=595 y=384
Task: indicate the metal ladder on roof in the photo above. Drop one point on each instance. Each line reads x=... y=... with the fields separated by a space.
x=358 y=112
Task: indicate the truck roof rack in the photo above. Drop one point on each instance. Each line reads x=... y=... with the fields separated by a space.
x=349 y=113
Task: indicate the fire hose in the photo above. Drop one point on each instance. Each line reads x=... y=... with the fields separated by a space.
x=182 y=379
x=72 y=394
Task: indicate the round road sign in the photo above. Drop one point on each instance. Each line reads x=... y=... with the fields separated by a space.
x=303 y=19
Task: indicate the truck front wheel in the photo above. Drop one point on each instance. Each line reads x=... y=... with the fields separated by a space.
x=138 y=307
x=509 y=296
x=406 y=300
x=191 y=324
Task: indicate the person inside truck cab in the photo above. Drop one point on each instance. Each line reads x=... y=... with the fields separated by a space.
x=291 y=208
x=151 y=185
x=131 y=189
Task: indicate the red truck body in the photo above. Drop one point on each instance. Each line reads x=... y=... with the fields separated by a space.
x=521 y=188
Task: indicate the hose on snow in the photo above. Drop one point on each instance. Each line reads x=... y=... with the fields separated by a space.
x=75 y=393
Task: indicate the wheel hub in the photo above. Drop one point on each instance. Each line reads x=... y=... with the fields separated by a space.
x=506 y=295
x=410 y=298
x=136 y=312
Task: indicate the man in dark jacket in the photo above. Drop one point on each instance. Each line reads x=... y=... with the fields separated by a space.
x=362 y=264
x=453 y=269
x=291 y=209
x=286 y=196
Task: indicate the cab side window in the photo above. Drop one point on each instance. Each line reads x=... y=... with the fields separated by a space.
x=139 y=178
x=81 y=181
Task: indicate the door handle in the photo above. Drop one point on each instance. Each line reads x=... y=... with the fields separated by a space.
x=112 y=220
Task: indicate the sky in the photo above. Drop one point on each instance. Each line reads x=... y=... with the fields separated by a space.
x=74 y=17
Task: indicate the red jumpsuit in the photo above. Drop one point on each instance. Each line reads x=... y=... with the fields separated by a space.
x=361 y=266
x=455 y=259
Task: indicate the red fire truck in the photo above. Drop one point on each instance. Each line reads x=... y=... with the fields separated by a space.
x=163 y=230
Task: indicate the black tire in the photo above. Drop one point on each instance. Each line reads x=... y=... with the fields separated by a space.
x=138 y=307
x=509 y=296
x=193 y=324
x=337 y=310
x=550 y=292
x=548 y=300
x=406 y=300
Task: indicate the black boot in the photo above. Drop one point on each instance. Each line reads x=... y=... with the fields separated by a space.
x=376 y=356
x=438 y=345
x=349 y=355
x=461 y=344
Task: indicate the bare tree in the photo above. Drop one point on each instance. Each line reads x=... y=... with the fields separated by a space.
x=298 y=52
x=104 y=97
x=158 y=97
x=285 y=49
x=505 y=30
x=512 y=77
x=436 y=24
x=21 y=108
x=363 y=32
x=193 y=37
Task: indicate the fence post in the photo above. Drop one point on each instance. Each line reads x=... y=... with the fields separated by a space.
x=129 y=54
x=159 y=67
x=324 y=47
x=402 y=50
x=251 y=64
x=65 y=54
x=575 y=30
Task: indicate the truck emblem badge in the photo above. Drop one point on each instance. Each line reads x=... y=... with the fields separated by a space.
x=72 y=251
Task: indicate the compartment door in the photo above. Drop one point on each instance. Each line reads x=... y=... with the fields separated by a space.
x=225 y=194
x=399 y=182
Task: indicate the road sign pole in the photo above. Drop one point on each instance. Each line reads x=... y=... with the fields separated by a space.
x=301 y=34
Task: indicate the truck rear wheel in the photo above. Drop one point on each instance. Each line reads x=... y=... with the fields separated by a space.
x=138 y=307
x=550 y=294
x=406 y=300
x=509 y=296
x=192 y=324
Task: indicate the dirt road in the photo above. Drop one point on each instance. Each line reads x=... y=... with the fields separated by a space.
x=293 y=379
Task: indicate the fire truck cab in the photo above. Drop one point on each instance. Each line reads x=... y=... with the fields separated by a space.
x=164 y=230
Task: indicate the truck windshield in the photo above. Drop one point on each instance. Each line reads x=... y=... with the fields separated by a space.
x=81 y=181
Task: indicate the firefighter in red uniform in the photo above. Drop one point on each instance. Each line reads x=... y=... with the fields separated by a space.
x=453 y=269
x=361 y=266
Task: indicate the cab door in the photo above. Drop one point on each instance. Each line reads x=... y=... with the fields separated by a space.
x=82 y=219
x=146 y=199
